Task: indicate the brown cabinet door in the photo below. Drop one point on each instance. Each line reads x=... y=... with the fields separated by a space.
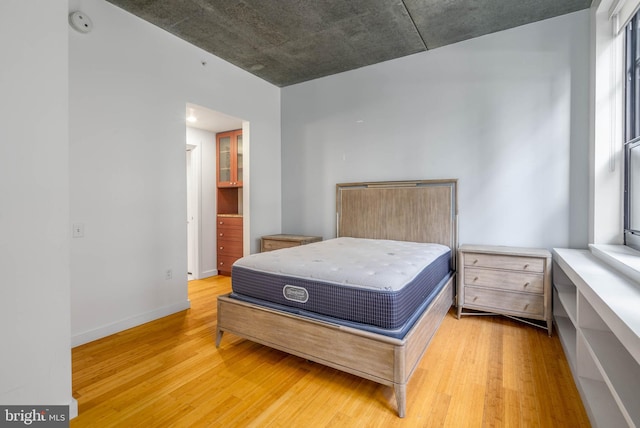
x=229 y=165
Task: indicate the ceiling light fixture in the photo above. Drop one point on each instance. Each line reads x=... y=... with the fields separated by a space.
x=191 y=118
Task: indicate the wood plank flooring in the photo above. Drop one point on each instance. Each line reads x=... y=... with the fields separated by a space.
x=477 y=372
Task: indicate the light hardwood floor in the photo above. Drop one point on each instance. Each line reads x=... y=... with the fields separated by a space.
x=477 y=372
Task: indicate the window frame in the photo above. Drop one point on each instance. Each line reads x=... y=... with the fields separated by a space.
x=631 y=125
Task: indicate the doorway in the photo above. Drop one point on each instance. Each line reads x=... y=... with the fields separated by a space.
x=202 y=125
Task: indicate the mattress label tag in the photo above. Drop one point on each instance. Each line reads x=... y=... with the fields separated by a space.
x=295 y=294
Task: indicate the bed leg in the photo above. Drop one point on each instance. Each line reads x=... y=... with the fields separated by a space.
x=401 y=398
x=219 y=334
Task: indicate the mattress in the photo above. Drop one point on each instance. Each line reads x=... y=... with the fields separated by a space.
x=398 y=332
x=367 y=281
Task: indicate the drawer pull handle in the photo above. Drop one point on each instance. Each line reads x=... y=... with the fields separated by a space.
x=475 y=261
x=221 y=234
x=526 y=306
x=475 y=279
x=222 y=222
x=526 y=284
x=222 y=248
x=526 y=266
x=475 y=298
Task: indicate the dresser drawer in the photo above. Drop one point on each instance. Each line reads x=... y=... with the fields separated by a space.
x=276 y=242
x=505 y=280
x=229 y=248
x=497 y=261
x=230 y=221
x=270 y=245
x=231 y=234
x=225 y=263
x=528 y=305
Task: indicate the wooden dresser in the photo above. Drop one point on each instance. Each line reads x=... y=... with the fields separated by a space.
x=229 y=241
x=275 y=242
x=510 y=281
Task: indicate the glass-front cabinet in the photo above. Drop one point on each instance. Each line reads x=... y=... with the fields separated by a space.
x=230 y=158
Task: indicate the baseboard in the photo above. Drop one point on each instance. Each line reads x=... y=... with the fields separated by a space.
x=73 y=408
x=208 y=273
x=116 y=327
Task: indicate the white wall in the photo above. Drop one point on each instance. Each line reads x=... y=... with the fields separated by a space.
x=506 y=114
x=129 y=82
x=35 y=360
x=205 y=155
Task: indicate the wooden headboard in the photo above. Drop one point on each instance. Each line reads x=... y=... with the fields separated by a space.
x=417 y=211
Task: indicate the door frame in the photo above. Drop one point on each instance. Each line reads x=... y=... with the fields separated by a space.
x=193 y=208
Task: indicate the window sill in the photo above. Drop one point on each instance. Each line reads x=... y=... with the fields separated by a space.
x=624 y=259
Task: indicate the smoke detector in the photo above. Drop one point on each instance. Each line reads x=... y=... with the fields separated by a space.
x=80 y=22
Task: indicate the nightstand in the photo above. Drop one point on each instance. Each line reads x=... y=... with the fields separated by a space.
x=510 y=281
x=275 y=242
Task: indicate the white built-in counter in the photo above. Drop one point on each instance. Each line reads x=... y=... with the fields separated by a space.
x=596 y=308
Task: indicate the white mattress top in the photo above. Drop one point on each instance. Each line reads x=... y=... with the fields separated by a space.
x=369 y=263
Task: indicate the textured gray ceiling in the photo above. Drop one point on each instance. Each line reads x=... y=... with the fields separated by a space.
x=291 y=41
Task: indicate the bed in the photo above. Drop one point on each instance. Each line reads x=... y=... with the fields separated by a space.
x=405 y=214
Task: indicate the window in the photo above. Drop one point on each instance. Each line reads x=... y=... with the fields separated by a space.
x=632 y=134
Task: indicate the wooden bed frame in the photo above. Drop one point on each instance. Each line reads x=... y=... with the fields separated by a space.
x=419 y=211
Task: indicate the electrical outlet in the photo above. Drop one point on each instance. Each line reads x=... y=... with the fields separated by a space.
x=78 y=230
x=168 y=274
